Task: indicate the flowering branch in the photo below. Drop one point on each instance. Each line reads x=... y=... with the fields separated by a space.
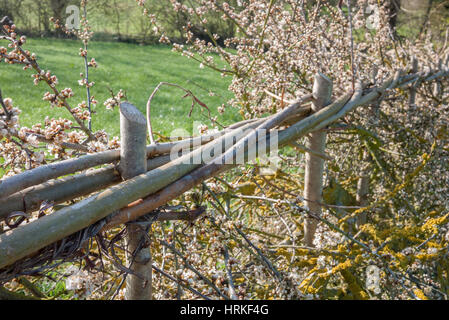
x=84 y=22
x=18 y=55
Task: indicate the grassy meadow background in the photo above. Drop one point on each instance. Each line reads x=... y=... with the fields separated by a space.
x=137 y=69
x=119 y=27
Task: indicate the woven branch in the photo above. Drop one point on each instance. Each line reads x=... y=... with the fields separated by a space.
x=44 y=173
x=28 y=239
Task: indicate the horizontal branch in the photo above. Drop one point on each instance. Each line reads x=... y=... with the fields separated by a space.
x=46 y=172
x=67 y=145
x=67 y=188
x=304 y=149
x=11 y=185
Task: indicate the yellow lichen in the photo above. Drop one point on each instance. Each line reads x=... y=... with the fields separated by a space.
x=420 y=294
x=432 y=223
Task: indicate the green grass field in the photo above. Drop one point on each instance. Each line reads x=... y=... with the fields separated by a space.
x=133 y=68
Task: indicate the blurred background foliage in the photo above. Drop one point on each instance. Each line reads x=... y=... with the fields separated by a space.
x=119 y=20
x=122 y=20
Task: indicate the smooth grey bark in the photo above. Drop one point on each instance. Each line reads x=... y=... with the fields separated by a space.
x=59 y=190
x=82 y=184
x=316 y=141
x=68 y=188
x=44 y=173
x=133 y=161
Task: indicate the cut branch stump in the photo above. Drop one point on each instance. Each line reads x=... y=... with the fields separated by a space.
x=133 y=161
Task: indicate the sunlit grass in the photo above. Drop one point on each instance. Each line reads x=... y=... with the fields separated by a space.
x=133 y=68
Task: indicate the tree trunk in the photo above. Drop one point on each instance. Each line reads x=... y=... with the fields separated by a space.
x=133 y=161
x=313 y=185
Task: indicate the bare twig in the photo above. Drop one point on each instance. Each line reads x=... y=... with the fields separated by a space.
x=189 y=266
x=31 y=287
x=181 y=283
x=6 y=111
x=277 y=97
x=364 y=246
x=264 y=259
x=229 y=273
x=303 y=148
x=188 y=94
x=351 y=39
